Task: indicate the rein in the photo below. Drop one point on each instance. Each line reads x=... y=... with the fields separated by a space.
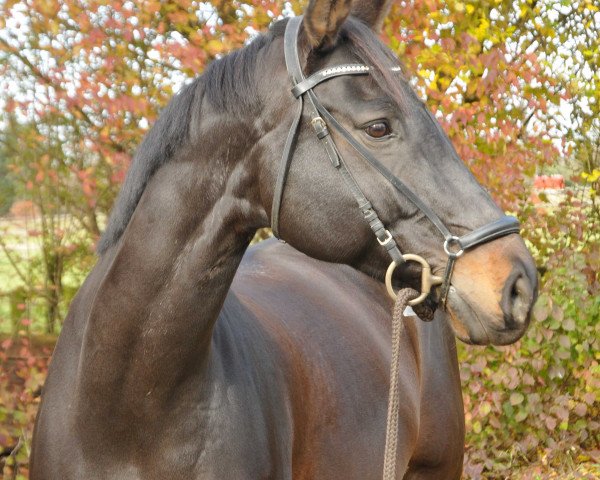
x=404 y=297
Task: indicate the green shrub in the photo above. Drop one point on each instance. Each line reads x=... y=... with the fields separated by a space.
x=537 y=400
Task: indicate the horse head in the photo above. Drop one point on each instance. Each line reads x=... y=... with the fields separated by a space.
x=361 y=150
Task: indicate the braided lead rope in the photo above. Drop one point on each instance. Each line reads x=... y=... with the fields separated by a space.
x=391 y=435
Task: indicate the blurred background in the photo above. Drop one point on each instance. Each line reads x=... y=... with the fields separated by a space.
x=515 y=84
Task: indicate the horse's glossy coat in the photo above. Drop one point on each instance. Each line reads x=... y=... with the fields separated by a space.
x=290 y=389
x=162 y=372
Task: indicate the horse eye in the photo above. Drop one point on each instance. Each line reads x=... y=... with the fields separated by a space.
x=378 y=130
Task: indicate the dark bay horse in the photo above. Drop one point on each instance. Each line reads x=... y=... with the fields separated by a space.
x=172 y=365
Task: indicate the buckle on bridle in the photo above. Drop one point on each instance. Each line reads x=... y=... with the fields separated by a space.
x=320 y=127
x=427 y=279
x=386 y=240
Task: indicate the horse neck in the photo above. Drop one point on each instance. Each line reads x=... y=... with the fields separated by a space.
x=164 y=283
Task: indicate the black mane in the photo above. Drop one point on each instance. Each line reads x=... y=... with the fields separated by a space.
x=229 y=84
x=157 y=148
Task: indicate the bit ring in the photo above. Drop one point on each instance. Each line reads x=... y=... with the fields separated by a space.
x=427 y=279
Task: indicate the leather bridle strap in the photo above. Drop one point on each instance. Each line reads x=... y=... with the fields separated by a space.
x=283 y=169
x=320 y=127
x=320 y=120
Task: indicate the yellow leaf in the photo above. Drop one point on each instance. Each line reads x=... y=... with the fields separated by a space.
x=591 y=177
x=523 y=10
x=214 y=47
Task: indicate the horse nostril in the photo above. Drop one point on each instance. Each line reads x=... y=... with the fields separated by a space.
x=517 y=300
x=514 y=292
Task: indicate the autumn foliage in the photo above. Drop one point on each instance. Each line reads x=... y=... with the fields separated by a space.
x=514 y=84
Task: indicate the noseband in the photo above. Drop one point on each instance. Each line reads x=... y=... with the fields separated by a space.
x=321 y=120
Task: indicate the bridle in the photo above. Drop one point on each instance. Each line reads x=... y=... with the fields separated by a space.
x=321 y=119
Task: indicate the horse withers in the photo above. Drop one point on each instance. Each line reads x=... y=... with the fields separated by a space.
x=163 y=369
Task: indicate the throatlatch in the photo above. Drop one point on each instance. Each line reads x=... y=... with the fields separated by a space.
x=321 y=121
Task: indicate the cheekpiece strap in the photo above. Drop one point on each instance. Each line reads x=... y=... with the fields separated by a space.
x=301 y=86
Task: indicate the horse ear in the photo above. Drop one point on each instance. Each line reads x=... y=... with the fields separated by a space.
x=372 y=12
x=323 y=19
